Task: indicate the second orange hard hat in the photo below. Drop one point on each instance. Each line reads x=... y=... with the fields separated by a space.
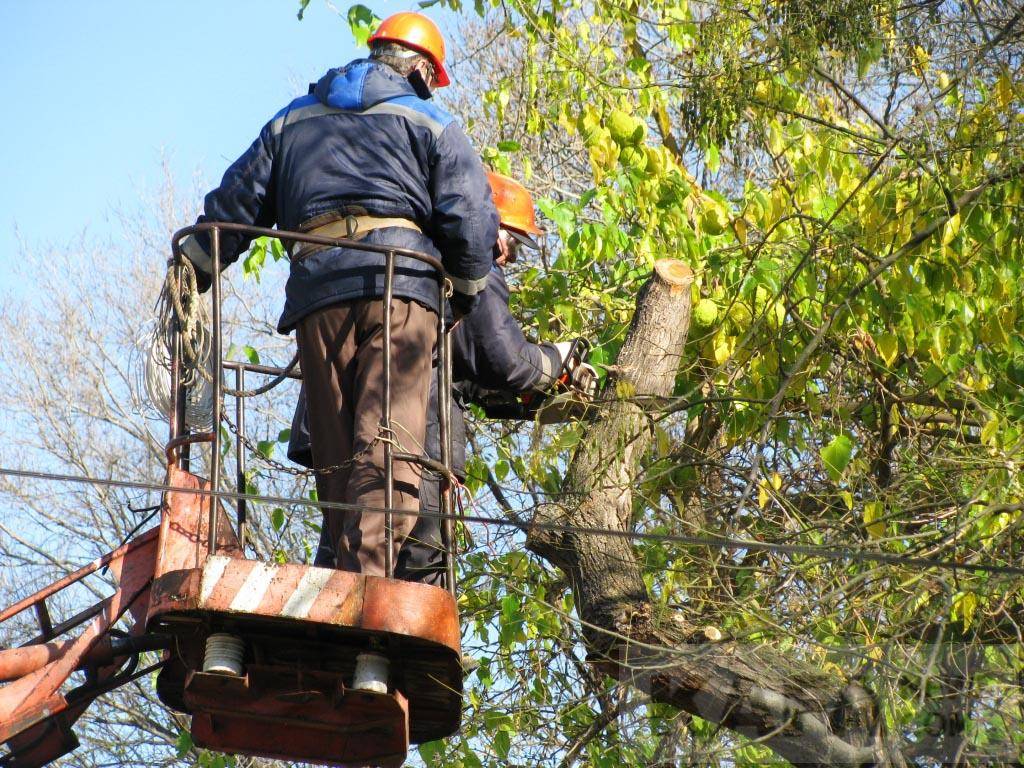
x=416 y=31
x=515 y=208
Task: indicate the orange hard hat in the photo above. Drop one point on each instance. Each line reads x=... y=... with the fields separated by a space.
x=416 y=31
x=515 y=208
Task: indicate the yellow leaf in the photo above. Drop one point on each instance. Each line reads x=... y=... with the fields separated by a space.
x=1004 y=90
x=888 y=347
x=762 y=495
x=950 y=228
x=921 y=59
x=776 y=143
x=776 y=480
x=873 y=512
x=741 y=230
x=988 y=432
x=724 y=347
x=965 y=605
x=937 y=350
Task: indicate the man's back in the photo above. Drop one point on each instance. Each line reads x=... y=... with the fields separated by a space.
x=362 y=143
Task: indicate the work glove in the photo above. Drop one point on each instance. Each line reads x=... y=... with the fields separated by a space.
x=583 y=379
x=564 y=352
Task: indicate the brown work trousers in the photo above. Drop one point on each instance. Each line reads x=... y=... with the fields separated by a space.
x=342 y=353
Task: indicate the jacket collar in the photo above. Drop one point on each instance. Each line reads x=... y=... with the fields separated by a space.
x=361 y=84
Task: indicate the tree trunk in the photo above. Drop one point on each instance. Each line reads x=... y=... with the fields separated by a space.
x=806 y=716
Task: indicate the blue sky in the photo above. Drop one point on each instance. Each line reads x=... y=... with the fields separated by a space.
x=94 y=92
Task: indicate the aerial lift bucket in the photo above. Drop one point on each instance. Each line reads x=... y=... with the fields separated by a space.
x=302 y=628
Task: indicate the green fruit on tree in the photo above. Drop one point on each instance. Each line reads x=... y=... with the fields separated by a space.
x=740 y=316
x=624 y=128
x=633 y=159
x=714 y=220
x=705 y=313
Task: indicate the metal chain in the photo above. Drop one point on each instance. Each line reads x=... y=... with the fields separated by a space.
x=275 y=464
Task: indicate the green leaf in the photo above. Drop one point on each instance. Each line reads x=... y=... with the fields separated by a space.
x=502 y=744
x=888 y=347
x=430 y=751
x=284 y=435
x=277 y=518
x=302 y=10
x=562 y=214
x=184 y=743
x=362 y=21
x=509 y=146
x=251 y=354
x=712 y=158
x=266 y=447
x=277 y=249
x=252 y=264
x=836 y=456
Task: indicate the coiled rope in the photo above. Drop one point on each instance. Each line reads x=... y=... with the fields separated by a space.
x=180 y=300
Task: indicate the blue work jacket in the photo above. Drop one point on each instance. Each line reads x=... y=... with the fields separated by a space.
x=362 y=143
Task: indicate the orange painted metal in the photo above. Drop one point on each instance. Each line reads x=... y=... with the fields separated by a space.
x=263 y=713
x=18 y=662
x=302 y=627
x=185 y=528
x=35 y=716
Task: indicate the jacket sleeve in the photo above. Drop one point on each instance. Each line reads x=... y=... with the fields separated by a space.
x=492 y=351
x=464 y=223
x=245 y=196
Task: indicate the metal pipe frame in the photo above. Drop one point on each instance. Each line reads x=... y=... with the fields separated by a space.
x=269 y=370
x=385 y=422
x=444 y=402
x=240 y=454
x=180 y=440
x=218 y=387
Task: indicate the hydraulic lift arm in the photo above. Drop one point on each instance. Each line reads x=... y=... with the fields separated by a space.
x=35 y=715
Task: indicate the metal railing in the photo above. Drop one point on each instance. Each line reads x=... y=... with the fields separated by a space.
x=181 y=440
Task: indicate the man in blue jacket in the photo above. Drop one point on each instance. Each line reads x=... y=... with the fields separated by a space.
x=364 y=155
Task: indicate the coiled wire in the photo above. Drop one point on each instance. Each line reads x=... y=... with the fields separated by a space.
x=196 y=370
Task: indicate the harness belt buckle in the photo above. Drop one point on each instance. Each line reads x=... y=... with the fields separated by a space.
x=351 y=226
